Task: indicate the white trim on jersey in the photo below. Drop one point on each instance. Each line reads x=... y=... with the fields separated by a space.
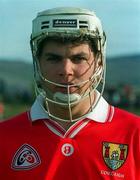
x=71 y=134
x=110 y=116
x=60 y=131
x=53 y=129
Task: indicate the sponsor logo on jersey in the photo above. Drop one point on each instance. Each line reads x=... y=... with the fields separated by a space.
x=114 y=154
x=25 y=158
x=67 y=149
x=69 y=23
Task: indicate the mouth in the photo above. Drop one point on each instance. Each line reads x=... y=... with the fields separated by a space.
x=69 y=87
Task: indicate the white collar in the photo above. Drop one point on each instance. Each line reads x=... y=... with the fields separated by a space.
x=99 y=114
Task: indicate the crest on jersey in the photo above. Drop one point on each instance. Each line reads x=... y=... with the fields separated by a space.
x=25 y=158
x=114 y=154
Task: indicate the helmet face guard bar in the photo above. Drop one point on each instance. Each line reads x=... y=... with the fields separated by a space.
x=59 y=30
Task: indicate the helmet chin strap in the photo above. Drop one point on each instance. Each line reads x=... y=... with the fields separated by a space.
x=62 y=99
x=65 y=98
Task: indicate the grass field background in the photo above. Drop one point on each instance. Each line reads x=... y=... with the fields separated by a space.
x=11 y=110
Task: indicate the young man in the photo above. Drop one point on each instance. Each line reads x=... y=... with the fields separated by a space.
x=70 y=132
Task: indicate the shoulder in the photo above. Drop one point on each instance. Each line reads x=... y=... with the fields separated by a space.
x=15 y=123
x=127 y=117
x=125 y=113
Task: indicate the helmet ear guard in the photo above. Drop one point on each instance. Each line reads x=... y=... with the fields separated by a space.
x=68 y=22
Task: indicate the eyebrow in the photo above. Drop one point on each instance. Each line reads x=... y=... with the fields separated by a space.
x=59 y=56
x=80 y=54
x=53 y=54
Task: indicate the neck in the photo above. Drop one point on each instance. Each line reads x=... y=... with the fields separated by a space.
x=77 y=111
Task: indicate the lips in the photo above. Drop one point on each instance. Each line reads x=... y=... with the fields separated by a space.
x=66 y=89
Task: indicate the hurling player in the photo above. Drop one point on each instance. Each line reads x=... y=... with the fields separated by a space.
x=70 y=132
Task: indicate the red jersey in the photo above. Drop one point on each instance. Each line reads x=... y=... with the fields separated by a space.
x=104 y=145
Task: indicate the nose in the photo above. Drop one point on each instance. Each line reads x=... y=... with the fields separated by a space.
x=66 y=68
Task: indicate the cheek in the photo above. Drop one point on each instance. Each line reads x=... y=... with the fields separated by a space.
x=46 y=70
x=85 y=72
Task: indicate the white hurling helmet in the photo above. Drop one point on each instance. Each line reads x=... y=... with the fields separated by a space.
x=68 y=22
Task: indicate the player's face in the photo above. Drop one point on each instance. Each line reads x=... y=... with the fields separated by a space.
x=67 y=64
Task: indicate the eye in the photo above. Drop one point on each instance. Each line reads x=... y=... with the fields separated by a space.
x=53 y=59
x=79 y=59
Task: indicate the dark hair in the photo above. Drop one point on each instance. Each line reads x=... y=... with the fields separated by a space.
x=68 y=40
